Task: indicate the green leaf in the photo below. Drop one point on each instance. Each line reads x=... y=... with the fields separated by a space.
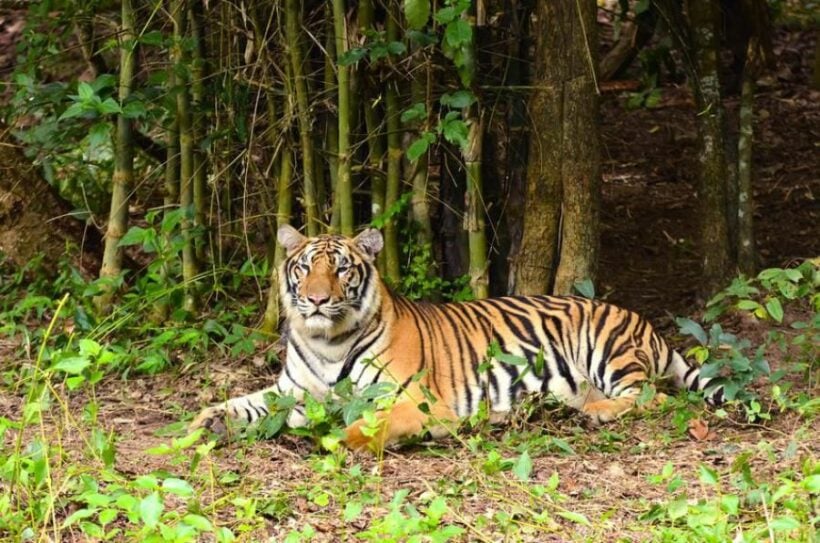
x=73 y=365
x=446 y=15
x=775 y=309
x=352 y=511
x=77 y=516
x=784 y=524
x=458 y=33
x=708 y=475
x=417 y=12
x=89 y=347
x=199 y=522
x=352 y=56
x=459 y=99
x=177 y=486
x=523 y=467
x=152 y=38
x=691 y=328
x=677 y=508
x=151 y=509
x=134 y=109
x=74 y=110
x=577 y=518
x=417 y=149
x=511 y=359
x=812 y=483
x=109 y=106
x=136 y=235
x=585 y=288
x=455 y=131
x=396 y=48
x=85 y=91
x=421 y=39
x=414 y=113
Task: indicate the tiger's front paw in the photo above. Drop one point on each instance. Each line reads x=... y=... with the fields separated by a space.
x=212 y=418
x=357 y=440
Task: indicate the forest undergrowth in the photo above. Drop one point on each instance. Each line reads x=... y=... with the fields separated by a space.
x=94 y=410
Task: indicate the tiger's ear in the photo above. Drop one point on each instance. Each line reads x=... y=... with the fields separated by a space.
x=290 y=238
x=370 y=242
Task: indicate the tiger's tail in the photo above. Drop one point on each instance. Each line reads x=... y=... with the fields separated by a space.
x=687 y=376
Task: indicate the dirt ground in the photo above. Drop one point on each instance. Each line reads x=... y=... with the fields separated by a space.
x=649 y=263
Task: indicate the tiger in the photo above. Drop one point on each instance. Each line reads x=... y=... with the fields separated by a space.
x=344 y=322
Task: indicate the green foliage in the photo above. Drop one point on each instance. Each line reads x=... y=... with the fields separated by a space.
x=728 y=359
x=785 y=506
x=417 y=282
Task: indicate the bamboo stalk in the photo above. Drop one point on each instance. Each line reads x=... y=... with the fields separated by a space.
x=474 y=222
x=375 y=138
x=332 y=123
x=198 y=75
x=284 y=212
x=344 y=189
x=394 y=155
x=292 y=21
x=419 y=201
x=123 y=176
x=171 y=196
x=190 y=267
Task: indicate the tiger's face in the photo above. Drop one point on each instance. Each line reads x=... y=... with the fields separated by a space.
x=328 y=283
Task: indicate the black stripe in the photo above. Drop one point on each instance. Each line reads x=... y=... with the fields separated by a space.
x=620 y=373
x=444 y=312
x=305 y=361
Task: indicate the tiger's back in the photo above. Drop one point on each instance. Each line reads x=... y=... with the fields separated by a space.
x=580 y=350
x=344 y=323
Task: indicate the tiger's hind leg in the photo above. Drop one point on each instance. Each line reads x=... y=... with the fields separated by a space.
x=609 y=409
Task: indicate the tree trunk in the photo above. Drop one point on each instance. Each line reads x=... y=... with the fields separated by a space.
x=581 y=156
x=563 y=158
x=123 y=177
x=746 y=254
x=34 y=220
x=712 y=190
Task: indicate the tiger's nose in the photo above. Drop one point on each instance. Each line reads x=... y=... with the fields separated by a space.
x=318 y=299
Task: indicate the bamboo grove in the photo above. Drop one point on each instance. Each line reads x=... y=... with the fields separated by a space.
x=467 y=130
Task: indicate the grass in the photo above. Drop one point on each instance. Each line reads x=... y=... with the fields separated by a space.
x=91 y=449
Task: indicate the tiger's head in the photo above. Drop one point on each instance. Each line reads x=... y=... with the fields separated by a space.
x=329 y=284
